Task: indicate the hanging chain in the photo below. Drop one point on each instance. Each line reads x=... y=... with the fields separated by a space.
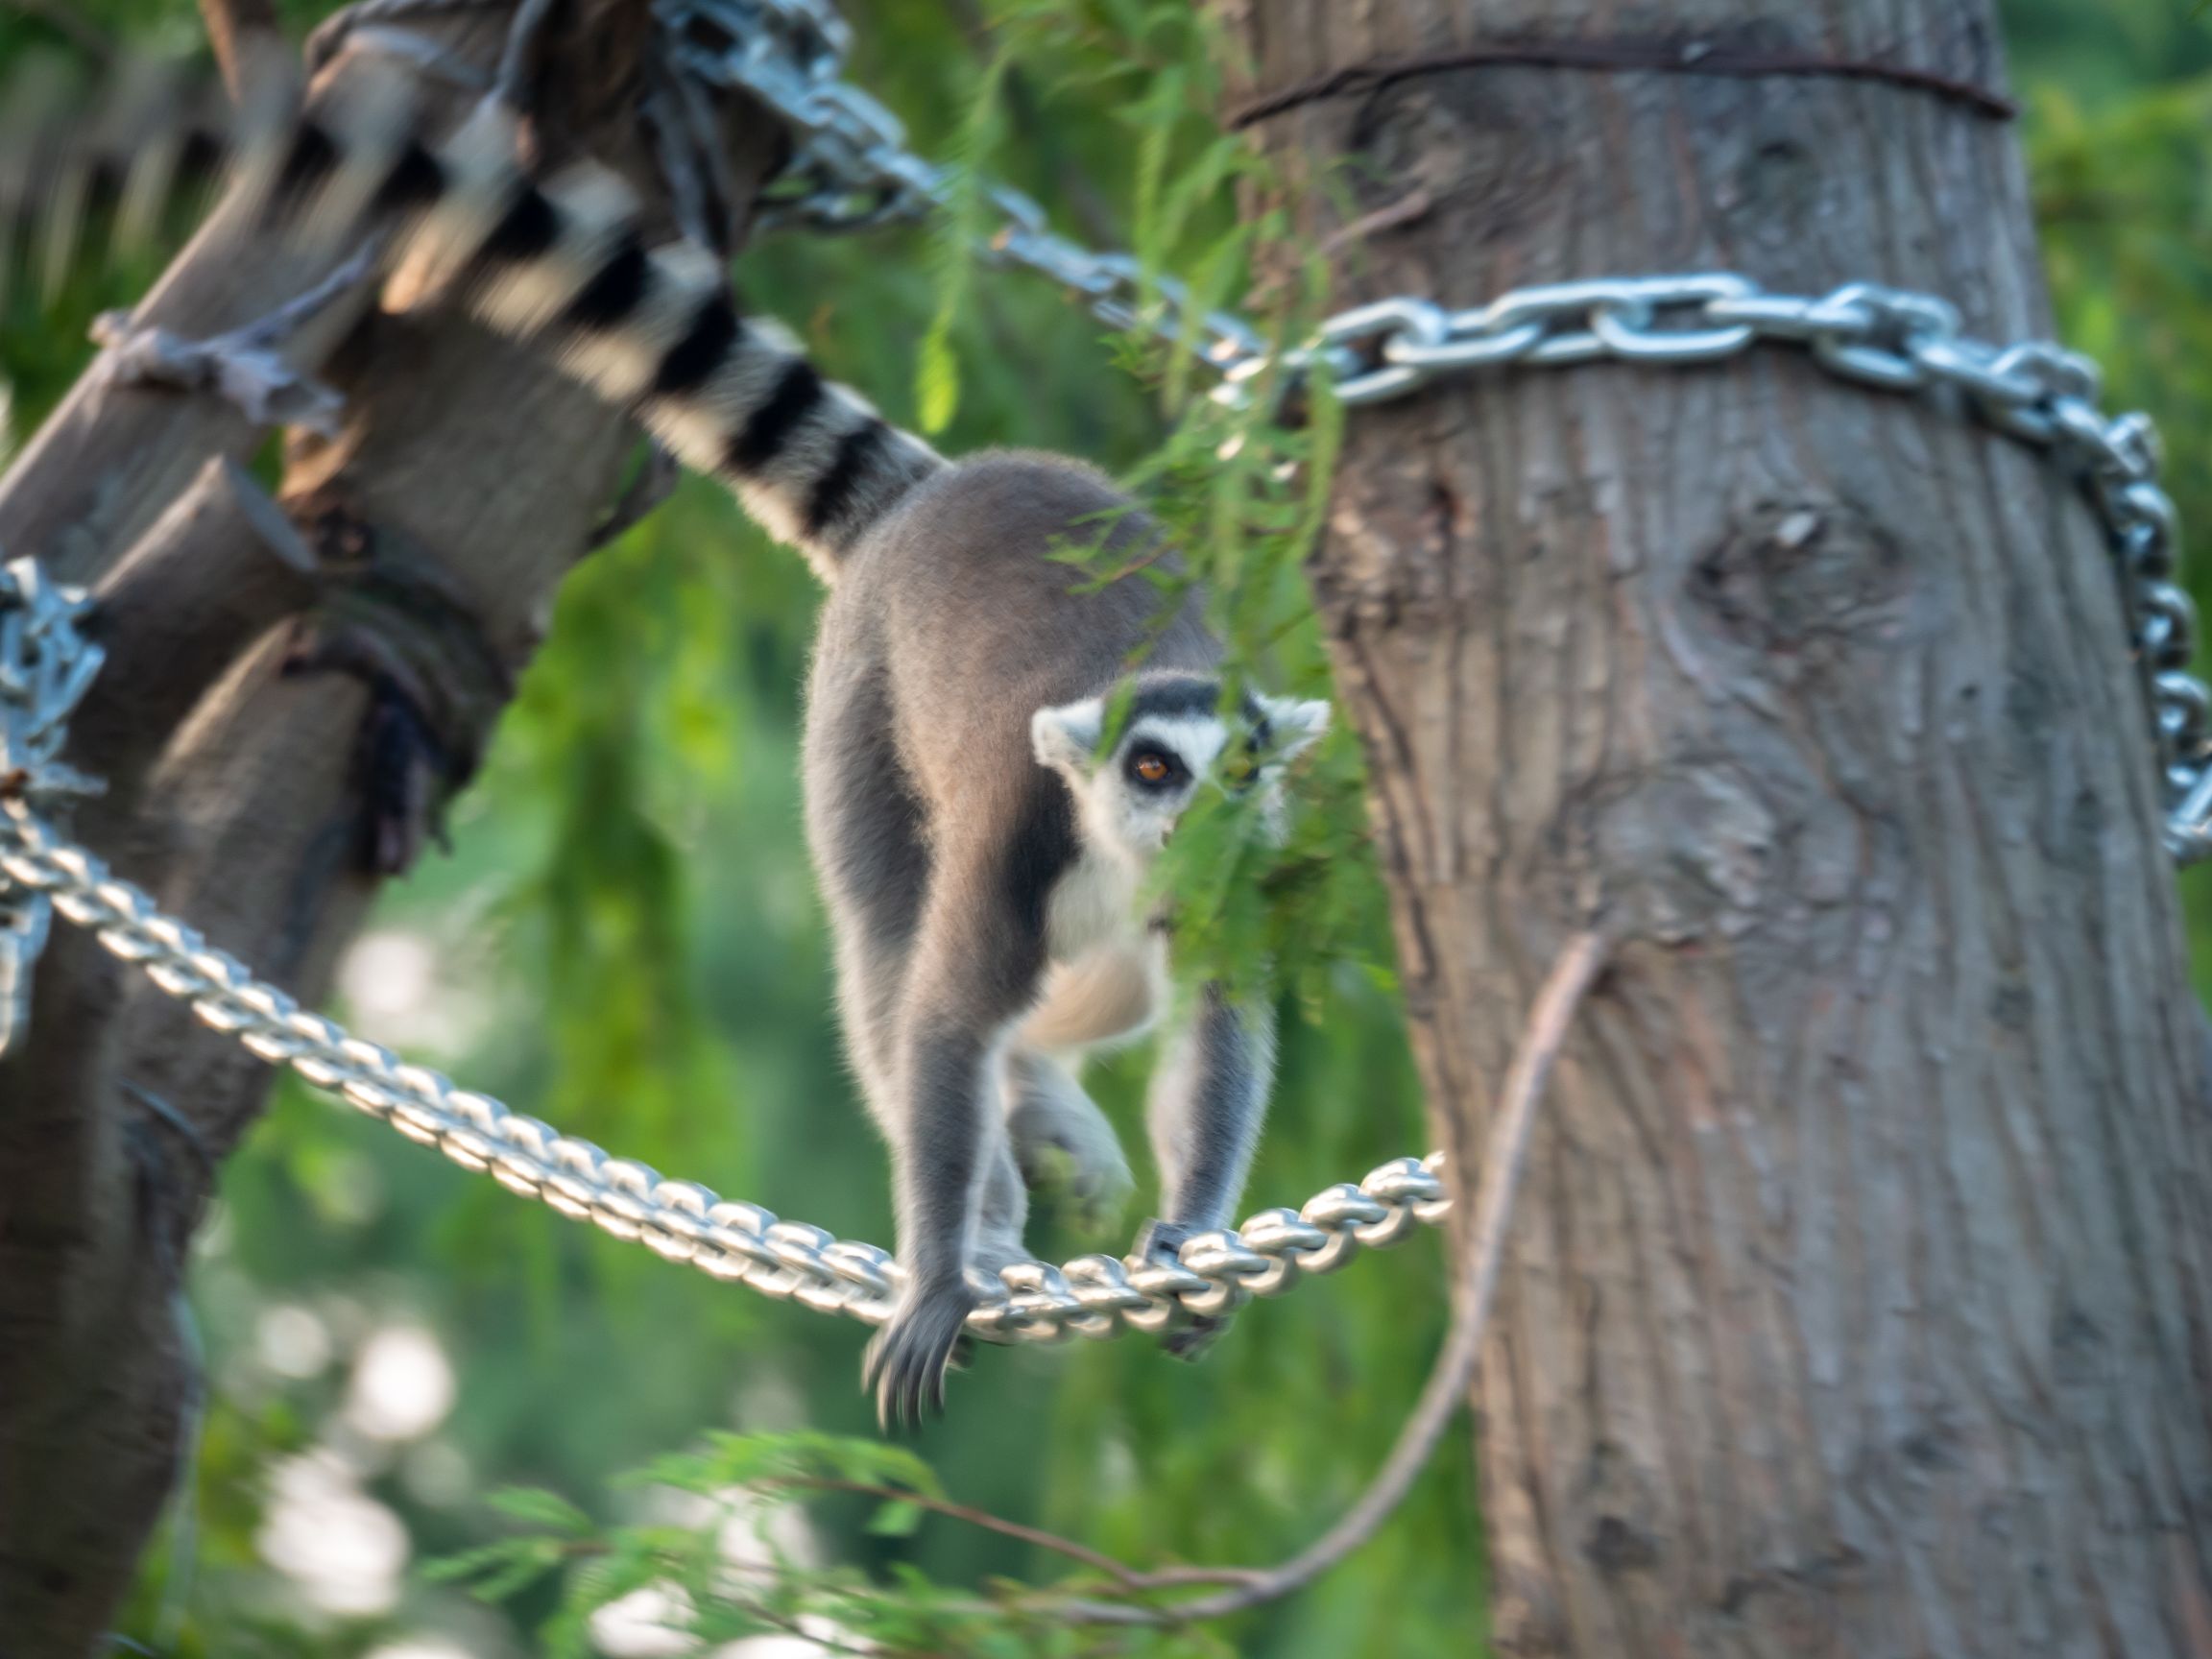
x=852 y=168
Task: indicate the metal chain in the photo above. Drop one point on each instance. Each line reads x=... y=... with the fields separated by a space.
x=45 y=666
x=852 y=169
x=1091 y=1296
x=1894 y=341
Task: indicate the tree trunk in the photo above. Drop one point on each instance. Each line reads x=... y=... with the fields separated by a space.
x=1861 y=1286
x=248 y=764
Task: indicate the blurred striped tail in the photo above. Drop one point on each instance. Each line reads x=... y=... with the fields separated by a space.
x=564 y=261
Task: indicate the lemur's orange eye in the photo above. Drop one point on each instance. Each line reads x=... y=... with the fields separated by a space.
x=1152 y=768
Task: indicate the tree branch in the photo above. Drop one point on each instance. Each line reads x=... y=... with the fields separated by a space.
x=213 y=574
x=979 y=1518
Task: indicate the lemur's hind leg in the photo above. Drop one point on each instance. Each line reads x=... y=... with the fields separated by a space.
x=1062 y=1138
x=1208 y=1097
x=864 y=830
x=977 y=963
x=1005 y=1209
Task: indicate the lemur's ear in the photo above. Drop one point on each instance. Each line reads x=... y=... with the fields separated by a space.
x=1296 y=726
x=1066 y=738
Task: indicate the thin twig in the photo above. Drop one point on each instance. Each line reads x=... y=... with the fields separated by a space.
x=288 y=318
x=1454 y=1374
x=982 y=1518
x=194 y=1141
x=707 y=145
x=799 y=1628
x=1413 y=205
x=245 y=366
x=676 y=159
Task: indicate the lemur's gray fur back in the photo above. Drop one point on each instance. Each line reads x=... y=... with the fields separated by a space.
x=565 y=262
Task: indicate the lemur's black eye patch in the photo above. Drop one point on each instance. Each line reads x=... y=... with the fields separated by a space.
x=1154 y=768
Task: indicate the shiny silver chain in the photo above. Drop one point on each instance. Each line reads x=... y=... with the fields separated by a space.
x=851 y=169
x=1091 y=1296
x=2037 y=392
x=46 y=664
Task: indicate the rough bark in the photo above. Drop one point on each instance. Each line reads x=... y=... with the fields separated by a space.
x=1859 y=1300
x=234 y=744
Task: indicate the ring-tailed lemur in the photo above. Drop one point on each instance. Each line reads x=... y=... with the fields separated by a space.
x=987 y=776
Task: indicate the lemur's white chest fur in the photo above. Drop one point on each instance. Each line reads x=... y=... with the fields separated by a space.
x=1108 y=975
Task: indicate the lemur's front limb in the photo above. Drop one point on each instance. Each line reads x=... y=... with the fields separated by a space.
x=1209 y=1099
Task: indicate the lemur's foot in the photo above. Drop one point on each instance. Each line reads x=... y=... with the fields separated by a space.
x=907 y=1360
x=1159 y=1242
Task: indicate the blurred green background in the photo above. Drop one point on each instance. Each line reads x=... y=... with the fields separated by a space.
x=625 y=941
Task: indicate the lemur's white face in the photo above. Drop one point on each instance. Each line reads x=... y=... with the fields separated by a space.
x=1173 y=742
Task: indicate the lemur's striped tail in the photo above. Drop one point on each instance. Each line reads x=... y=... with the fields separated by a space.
x=564 y=261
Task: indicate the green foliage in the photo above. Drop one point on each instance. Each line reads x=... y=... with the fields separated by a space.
x=1241 y=497
x=966 y=217
x=704 y=1589
x=626 y=943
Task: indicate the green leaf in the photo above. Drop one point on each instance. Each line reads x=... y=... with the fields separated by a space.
x=937 y=375
x=470 y=1563
x=897 y=1519
x=541 y=1509
x=517 y=1576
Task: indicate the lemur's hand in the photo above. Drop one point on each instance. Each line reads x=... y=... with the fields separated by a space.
x=907 y=1361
